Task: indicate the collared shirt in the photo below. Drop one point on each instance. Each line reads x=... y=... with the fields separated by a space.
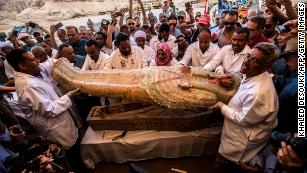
x=90 y=64
x=79 y=61
x=226 y=61
x=171 y=43
x=199 y=59
x=45 y=110
x=149 y=54
x=135 y=60
x=106 y=50
x=249 y=119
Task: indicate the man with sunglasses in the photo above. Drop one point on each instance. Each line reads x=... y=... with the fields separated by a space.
x=223 y=36
x=172 y=21
x=251 y=114
x=270 y=29
x=255 y=26
x=131 y=25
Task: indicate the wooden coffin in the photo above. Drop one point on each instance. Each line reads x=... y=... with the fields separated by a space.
x=140 y=116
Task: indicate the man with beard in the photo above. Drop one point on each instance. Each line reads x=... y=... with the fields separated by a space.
x=201 y=52
x=126 y=56
x=251 y=114
x=255 y=26
x=74 y=40
x=223 y=37
x=131 y=25
x=230 y=58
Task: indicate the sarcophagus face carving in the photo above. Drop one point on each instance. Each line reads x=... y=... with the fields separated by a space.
x=162 y=85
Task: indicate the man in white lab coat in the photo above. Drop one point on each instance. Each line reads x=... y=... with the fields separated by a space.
x=251 y=114
x=46 y=111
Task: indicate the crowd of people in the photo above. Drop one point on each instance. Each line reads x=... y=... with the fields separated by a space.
x=260 y=121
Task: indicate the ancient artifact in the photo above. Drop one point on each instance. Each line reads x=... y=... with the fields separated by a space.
x=162 y=85
x=140 y=116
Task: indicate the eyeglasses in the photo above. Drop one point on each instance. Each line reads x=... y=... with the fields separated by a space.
x=172 y=24
x=130 y=23
x=253 y=59
x=230 y=23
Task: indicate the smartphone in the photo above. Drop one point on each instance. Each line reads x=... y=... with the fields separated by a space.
x=118 y=13
x=58 y=25
x=283 y=28
x=114 y=22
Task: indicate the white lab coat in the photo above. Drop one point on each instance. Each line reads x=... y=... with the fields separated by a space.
x=226 y=61
x=199 y=59
x=249 y=119
x=45 y=110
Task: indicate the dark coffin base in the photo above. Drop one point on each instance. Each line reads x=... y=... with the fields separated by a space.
x=139 y=116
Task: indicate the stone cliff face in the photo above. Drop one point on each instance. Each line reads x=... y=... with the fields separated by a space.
x=53 y=10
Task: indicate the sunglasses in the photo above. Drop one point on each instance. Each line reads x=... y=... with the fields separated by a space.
x=172 y=24
x=230 y=23
x=249 y=57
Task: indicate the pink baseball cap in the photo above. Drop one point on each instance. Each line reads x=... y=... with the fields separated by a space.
x=204 y=20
